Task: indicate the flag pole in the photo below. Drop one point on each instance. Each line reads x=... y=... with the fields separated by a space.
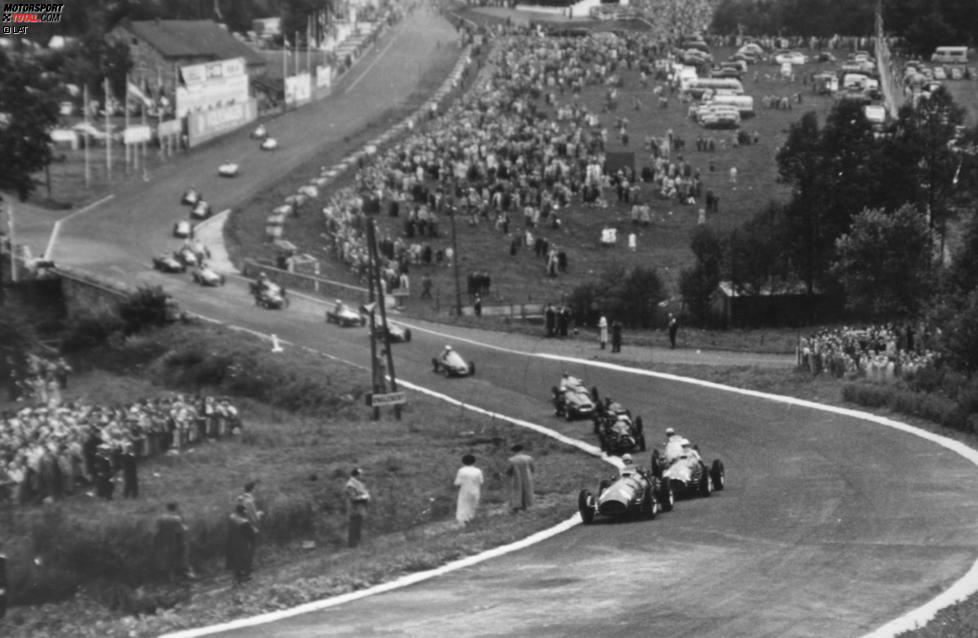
x=142 y=113
x=295 y=47
x=88 y=170
x=108 y=133
x=125 y=110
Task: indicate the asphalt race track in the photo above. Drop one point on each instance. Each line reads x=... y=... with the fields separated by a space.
x=829 y=526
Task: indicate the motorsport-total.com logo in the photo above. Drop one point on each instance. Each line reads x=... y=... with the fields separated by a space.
x=18 y=16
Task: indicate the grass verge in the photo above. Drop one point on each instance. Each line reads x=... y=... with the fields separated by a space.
x=92 y=560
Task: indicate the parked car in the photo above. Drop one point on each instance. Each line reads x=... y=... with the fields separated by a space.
x=791 y=57
x=228 y=169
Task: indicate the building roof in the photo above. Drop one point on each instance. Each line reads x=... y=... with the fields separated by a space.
x=192 y=38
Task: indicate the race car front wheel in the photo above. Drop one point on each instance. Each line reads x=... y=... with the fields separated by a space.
x=585 y=505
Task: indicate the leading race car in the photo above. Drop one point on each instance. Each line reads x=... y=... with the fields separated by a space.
x=345 y=316
x=269 y=295
x=451 y=364
x=635 y=492
x=260 y=132
x=687 y=473
x=572 y=399
x=228 y=169
x=269 y=144
x=207 y=276
x=618 y=433
x=169 y=262
x=395 y=333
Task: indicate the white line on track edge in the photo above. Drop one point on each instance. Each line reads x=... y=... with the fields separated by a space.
x=56 y=229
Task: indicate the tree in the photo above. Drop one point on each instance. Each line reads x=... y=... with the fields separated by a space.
x=755 y=251
x=885 y=263
x=963 y=272
x=28 y=113
x=698 y=283
x=960 y=335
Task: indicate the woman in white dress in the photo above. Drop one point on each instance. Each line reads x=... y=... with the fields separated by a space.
x=469 y=481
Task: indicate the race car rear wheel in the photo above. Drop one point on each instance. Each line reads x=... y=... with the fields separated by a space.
x=471 y=368
x=656 y=464
x=648 y=503
x=641 y=441
x=434 y=364
x=603 y=485
x=718 y=475
x=706 y=483
x=363 y=321
x=594 y=394
x=585 y=505
x=639 y=426
x=407 y=335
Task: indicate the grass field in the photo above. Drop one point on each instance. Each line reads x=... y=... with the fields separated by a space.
x=664 y=244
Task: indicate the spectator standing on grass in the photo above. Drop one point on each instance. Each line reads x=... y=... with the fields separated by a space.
x=247 y=499
x=603 y=331
x=130 y=476
x=61 y=372
x=469 y=481
x=477 y=306
x=616 y=336
x=673 y=330
x=242 y=536
x=521 y=471
x=358 y=498
x=171 y=544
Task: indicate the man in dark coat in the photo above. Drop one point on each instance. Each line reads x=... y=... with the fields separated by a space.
x=616 y=336
x=240 y=553
x=102 y=470
x=550 y=316
x=171 y=545
x=130 y=477
x=673 y=330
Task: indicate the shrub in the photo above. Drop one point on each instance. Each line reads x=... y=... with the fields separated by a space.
x=149 y=306
x=932 y=407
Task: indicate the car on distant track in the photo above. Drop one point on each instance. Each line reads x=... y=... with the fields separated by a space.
x=207 y=276
x=183 y=229
x=188 y=256
x=688 y=474
x=345 y=316
x=618 y=432
x=268 y=144
x=228 y=169
x=395 y=333
x=451 y=364
x=269 y=295
x=168 y=262
x=572 y=400
x=635 y=492
x=191 y=197
x=260 y=132
x=201 y=210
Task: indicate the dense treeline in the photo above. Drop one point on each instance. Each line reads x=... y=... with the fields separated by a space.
x=924 y=24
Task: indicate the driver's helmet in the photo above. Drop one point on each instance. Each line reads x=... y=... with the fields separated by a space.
x=339 y=303
x=262 y=276
x=670 y=432
x=627 y=459
x=448 y=348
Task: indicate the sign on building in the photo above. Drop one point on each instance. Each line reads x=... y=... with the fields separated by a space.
x=298 y=89
x=212 y=85
x=205 y=125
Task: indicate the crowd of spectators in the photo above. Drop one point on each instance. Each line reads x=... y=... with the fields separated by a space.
x=879 y=352
x=511 y=155
x=49 y=448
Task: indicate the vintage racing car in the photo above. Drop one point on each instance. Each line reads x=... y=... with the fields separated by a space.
x=183 y=229
x=345 y=316
x=169 y=262
x=206 y=276
x=636 y=492
x=451 y=364
x=687 y=474
x=269 y=144
x=269 y=294
x=201 y=210
x=259 y=133
x=618 y=433
x=228 y=169
x=395 y=333
x=572 y=399
x=191 y=197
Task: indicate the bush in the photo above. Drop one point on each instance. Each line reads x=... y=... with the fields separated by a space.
x=147 y=307
x=932 y=407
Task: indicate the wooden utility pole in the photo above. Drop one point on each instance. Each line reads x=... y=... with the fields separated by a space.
x=385 y=335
